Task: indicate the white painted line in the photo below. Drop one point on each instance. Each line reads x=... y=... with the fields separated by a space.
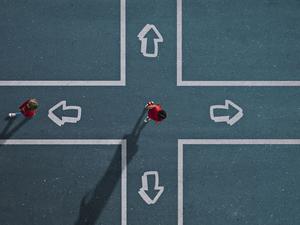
x=239 y=141
x=179 y=43
x=86 y=142
x=124 y=184
x=182 y=142
x=238 y=83
x=181 y=82
x=123 y=42
x=62 y=83
x=93 y=83
x=61 y=141
x=180 y=183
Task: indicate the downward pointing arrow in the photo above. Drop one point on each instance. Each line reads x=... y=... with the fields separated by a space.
x=226 y=119
x=143 y=190
x=144 y=40
x=64 y=119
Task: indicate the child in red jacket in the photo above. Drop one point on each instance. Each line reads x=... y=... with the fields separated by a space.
x=155 y=112
x=28 y=109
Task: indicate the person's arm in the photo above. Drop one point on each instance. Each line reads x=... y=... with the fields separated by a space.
x=151 y=106
x=23 y=105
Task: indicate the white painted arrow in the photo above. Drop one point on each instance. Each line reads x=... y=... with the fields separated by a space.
x=226 y=119
x=143 y=190
x=64 y=119
x=144 y=40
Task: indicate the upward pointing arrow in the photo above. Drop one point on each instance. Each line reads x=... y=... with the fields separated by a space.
x=144 y=40
x=143 y=191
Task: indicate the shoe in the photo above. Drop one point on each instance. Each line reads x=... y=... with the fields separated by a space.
x=12 y=115
x=146 y=120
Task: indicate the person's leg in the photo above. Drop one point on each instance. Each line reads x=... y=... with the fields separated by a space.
x=147 y=119
x=12 y=115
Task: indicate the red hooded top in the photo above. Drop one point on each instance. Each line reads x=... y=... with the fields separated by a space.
x=29 y=113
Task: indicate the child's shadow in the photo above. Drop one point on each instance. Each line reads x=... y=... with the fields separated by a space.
x=93 y=203
x=6 y=133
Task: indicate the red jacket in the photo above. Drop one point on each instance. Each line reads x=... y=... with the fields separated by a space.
x=26 y=111
x=153 y=113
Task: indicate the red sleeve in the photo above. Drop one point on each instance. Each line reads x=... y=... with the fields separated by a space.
x=24 y=104
x=153 y=113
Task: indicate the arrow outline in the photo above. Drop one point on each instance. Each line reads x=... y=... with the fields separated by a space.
x=64 y=119
x=226 y=119
x=145 y=187
x=144 y=40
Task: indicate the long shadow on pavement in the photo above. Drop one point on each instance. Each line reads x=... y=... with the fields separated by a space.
x=6 y=133
x=93 y=203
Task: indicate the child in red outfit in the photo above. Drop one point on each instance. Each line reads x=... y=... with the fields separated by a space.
x=155 y=112
x=28 y=109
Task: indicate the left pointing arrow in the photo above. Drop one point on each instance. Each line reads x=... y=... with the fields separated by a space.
x=64 y=119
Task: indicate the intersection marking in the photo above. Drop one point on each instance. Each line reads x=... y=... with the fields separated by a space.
x=121 y=82
x=145 y=187
x=64 y=119
x=182 y=142
x=179 y=43
x=121 y=142
x=227 y=119
x=144 y=40
x=235 y=83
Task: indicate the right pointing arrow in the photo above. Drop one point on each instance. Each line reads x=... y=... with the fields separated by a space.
x=144 y=189
x=226 y=119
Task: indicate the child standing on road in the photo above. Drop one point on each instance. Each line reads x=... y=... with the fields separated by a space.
x=28 y=109
x=155 y=112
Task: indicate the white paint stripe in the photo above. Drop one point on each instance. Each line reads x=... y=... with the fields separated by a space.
x=239 y=141
x=86 y=142
x=180 y=183
x=63 y=82
x=181 y=82
x=61 y=141
x=182 y=142
x=179 y=42
x=124 y=184
x=239 y=83
x=121 y=82
x=123 y=42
